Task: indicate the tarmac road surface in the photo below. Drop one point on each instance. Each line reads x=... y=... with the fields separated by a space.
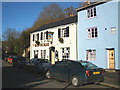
x=13 y=77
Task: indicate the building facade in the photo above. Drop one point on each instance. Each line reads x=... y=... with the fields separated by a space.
x=98 y=34
x=55 y=41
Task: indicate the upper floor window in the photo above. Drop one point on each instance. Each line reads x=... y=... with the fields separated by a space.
x=64 y=32
x=92 y=33
x=33 y=37
x=41 y=36
x=59 y=33
x=46 y=34
x=38 y=36
x=91 y=12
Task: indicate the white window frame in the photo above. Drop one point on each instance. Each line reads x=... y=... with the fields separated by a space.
x=64 y=32
x=91 y=10
x=66 y=53
x=43 y=54
x=91 y=35
x=90 y=55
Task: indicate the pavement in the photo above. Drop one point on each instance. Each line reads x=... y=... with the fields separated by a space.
x=111 y=78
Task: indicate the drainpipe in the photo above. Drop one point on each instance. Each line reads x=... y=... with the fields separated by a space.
x=76 y=42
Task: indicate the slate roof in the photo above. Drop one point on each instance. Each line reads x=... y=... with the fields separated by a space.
x=93 y=4
x=71 y=19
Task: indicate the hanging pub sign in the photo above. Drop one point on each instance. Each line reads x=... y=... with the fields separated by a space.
x=50 y=36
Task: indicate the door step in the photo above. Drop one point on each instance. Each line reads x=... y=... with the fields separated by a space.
x=110 y=70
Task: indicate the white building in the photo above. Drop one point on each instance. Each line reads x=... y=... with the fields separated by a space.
x=55 y=41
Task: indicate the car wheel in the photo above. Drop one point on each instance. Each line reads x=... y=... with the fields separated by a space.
x=48 y=75
x=75 y=81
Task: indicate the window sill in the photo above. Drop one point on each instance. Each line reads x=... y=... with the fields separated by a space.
x=92 y=38
x=91 y=17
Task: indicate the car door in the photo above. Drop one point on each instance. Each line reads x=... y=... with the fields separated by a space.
x=30 y=64
x=61 y=71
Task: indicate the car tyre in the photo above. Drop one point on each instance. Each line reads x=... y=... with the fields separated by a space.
x=75 y=81
x=48 y=75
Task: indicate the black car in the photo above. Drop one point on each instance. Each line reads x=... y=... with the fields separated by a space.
x=37 y=65
x=19 y=61
x=75 y=72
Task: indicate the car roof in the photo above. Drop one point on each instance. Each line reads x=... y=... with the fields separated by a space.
x=79 y=61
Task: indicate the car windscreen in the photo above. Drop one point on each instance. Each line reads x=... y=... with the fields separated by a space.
x=88 y=65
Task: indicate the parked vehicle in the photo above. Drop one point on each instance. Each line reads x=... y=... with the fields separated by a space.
x=6 y=57
x=10 y=58
x=37 y=65
x=75 y=72
x=19 y=61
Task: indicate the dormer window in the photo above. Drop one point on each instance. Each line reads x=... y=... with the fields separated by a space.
x=91 y=12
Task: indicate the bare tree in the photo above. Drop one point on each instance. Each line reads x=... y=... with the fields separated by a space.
x=49 y=14
x=70 y=11
x=10 y=36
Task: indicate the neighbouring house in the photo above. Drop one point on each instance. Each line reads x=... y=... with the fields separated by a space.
x=26 y=52
x=98 y=31
x=55 y=41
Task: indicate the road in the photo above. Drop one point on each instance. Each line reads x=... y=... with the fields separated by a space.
x=13 y=77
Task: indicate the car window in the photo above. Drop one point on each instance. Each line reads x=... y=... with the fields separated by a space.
x=75 y=65
x=61 y=63
x=88 y=65
x=44 y=60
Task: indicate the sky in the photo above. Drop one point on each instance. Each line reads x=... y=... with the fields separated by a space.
x=22 y=15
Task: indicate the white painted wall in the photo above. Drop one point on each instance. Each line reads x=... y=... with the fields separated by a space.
x=68 y=42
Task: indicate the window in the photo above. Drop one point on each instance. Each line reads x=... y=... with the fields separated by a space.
x=43 y=54
x=38 y=36
x=67 y=32
x=66 y=53
x=36 y=53
x=88 y=65
x=41 y=36
x=92 y=33
x=33 y=37
x=91 y=12
x=46 y=34
x=64 y=32
x=91 y=55
x=59 y=33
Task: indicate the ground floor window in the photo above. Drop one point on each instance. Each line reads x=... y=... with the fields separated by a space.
x=36 y=53
x=91 y=55
x=43 y=54
x=66 y=53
